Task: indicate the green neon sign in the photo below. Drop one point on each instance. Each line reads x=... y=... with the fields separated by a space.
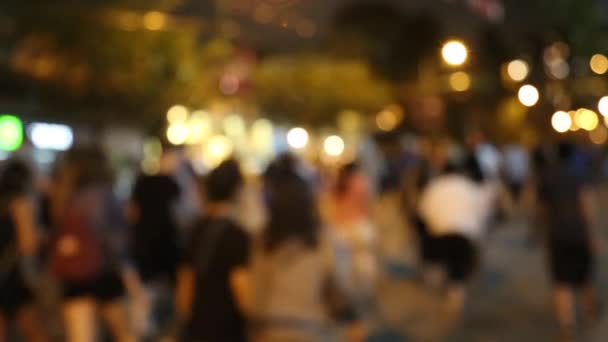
x=11 y=133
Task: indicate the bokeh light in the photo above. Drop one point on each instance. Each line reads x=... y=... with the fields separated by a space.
x=177 y=113
x=154 y=21
x=297 y=138
x=518 y=70
x=177 y=133
x=51 y=136
x=599 y=135
x=234 y=125
x=219 y=148
x=454 y=53
x=561 y=121
x=200 y=127
x=574 y=126
x=528 y=95
x=262 y=133
x=586 y=119
x=333 y=146
x=11 y=133
x=599 y=64
x=389 y=118
x=460 y=81
x=603 y=106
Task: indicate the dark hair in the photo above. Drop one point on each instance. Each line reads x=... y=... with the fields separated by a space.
x=344 y=175
x=15 y=179
x=79 y=169
x=223 y=182
x=284 y=165
x=565 y=151
x=292 y=213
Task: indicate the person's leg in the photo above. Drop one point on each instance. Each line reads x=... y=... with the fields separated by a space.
x=564 y=305
x=590 y=304
x=456 y=298
x=79 y=320
x=30 y=324
x=115 y=315
x=2 y=328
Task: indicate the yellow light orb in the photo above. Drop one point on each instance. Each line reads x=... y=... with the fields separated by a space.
x=177 y=113
x=297 y=138
x=218 y=149
x=603 y=106
x=262 y=133
x=561 y=122
x=177 y=133
x=234 y=125
x=586 y=119
x=154 y=21
x=599 y=135
x=454 y=53
x=333 y=146
x=200 y=127
x=528 y=95
x=518 y=70
x=574 y=126
x=599 y=64
x=460 y=81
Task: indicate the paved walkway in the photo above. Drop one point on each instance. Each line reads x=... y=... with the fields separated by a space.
x=509 y=299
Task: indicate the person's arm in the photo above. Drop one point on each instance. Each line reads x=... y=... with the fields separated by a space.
x=589 y=211
x=22 y=210
x=184 y=291
x=240 y=285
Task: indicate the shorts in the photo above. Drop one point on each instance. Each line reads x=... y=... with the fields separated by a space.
x=570 y=263
x=14 y=292
x=105 y=288
x=428 y=249
x=458 y=256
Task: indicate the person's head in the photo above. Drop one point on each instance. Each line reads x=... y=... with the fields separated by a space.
x=565 y=151
x=352 y=183
x=223 y=183
x=79 y=169
x=292 y=211
x=16 y=179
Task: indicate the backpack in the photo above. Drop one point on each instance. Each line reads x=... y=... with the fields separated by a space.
x=76 y=251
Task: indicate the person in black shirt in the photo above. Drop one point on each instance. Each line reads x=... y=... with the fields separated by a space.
x=213 y=278
x=18 y=243
x=566 y=209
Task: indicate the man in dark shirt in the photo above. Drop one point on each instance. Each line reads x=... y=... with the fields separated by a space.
x=212 y=281
x=566 y=209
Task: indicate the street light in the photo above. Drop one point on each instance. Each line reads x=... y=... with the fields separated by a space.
x=454 y=53
x=561 y=122
x=297 y=138
x=334 y=146
x=518 y=70
x=528 y=95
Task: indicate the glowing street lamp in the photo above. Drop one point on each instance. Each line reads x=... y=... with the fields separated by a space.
x=454 y=53
x=334 y=146
x=561 y=122
x=528 y=95
x=297 y=138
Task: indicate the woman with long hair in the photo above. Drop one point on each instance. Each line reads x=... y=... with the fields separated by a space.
x=18 y=244
x=293 y=277
x=353 y=237
x=87 y=247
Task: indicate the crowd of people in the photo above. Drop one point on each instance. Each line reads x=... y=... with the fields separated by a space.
x=73 y=254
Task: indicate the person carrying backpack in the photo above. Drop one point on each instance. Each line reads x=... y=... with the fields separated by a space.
x=87 y=242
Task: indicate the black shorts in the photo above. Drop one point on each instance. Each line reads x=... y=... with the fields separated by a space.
x=428 y=249
x=105 y=288
x=458 y=256
x=14 y=292
x=570 y=263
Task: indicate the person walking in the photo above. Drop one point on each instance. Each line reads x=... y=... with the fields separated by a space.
x=88 y=248
x=353 y=238
x=294 y=292
x=566 y=209
x=18 y=249
x=212 y=283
